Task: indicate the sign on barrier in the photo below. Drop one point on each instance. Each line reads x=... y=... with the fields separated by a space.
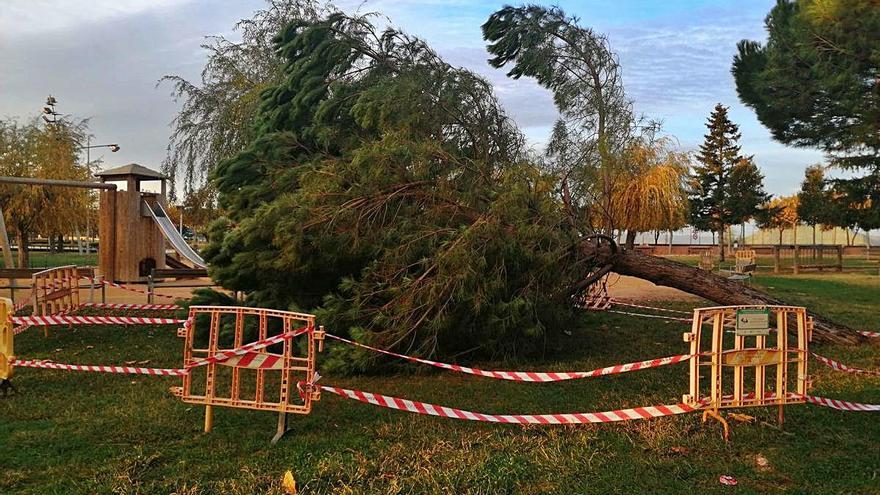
x=742 y=350
x=224 y=372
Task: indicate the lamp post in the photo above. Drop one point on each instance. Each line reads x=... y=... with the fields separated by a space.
x=113 y=148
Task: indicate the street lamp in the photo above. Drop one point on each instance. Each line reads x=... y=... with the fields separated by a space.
x=113 y=148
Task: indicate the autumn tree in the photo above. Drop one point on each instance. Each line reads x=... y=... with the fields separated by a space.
x=780 y=214
x=46 y=151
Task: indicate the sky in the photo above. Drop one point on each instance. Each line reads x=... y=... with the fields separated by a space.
x=102 y=59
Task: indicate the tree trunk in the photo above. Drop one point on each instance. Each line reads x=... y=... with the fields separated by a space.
x=721 y=242
x=631 y=239
x=4 y=242
x=719 y=290
x=24 y=260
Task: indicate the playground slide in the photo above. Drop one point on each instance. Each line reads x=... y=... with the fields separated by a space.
x=170 y=232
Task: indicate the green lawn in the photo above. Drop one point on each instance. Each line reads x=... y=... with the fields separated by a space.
x=44 y=259
x=71 y=433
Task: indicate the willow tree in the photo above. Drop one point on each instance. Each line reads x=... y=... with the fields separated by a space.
x=217 y=116
x=653 y=195
x=577 y=65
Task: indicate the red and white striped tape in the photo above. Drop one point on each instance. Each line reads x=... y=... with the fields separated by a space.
x=841 y=405
x=35 y=363
x=870 y=334
x=52 y=320
x=661 y=317
x=529 y=376
x=130 y=306
x=125 y=287
x=555 y=419
x=220 y=357
x=224 y=355
x=20 y=329
x=653 y=308
x=838 y=366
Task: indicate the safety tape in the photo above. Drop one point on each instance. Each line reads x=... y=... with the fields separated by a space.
x=20 y=329
x=529 y=376
x=654 y=308
x=52 y=320
x=662 y=317
x=841 y=405
x=838 y=366
x=220 y=357
x=35 y=363
x=225 y=355
x=556 y=419
x=130 y=306
x=870 y=334
x=125 y=287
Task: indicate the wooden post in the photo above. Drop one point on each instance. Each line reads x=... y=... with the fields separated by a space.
x=775 y=259
x=839 y=258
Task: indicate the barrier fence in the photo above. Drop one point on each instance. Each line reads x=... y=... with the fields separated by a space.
x=295 y=365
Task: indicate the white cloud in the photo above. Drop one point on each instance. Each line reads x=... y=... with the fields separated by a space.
x=43 y=16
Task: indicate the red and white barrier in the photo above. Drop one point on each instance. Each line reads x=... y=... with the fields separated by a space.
x=156 y=307
x=838 y=366
x=529 y=376
x=36 y=363
x=870 y=334
x=841 y=405
x=125 y=287
x=53 y=320
x=225 y=355
x=555 y=419
x=653 y=308
x=661 y=317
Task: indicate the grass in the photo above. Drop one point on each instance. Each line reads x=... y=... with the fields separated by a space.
x=70 y=433
x=44 y=259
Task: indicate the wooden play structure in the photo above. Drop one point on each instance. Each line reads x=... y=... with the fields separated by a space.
x=131 y=242
x=748 y=344
x=258 y=379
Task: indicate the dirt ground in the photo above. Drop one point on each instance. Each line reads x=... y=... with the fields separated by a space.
x=636 y=289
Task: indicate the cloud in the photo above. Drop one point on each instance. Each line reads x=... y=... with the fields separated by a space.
x=37 y=17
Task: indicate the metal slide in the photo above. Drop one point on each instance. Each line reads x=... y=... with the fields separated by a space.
x=170 y=232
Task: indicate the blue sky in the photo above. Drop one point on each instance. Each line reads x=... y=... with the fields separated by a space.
x=102 y=59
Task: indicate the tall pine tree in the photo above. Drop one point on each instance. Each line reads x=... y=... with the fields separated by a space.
x=813 y=198
x=711 y=200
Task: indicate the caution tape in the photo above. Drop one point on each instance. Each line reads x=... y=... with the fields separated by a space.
x=156 y=307
x=654 y=308
x=125 y=287
x=841 y=405
x=870 y=334
x=20 y=329
x=35 y=363
x=53 y=320
x=555 y=419
x=529 y=376
x=220 y=357
x=838 y=366
x=225 y=355
x=662 y=317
